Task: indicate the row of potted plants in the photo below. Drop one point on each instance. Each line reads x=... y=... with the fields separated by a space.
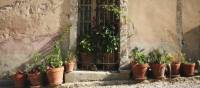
x=156 y=61
x=51 y=69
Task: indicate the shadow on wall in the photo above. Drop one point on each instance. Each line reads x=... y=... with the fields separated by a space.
x=192 y=43
x=64 y=26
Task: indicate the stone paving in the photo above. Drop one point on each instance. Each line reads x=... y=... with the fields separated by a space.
x=182 y=82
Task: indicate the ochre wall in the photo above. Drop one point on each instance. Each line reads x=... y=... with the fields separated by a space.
x=191 y=27
x=154 y=24
x=27 y=26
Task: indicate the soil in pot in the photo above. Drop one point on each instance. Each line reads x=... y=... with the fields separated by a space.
x=188 y=69
x=19 y=80
x=69 y=67
x=175 y=68
x=158 y=70
x=139 y=71
x=35 y=78
x=55 y=76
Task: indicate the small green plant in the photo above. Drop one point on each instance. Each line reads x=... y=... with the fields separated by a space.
x=114 y=9
x=139 y=56
x=86 y=44
x=179 y=58
x=158 y=57
x=36 y=66
x=71 y=56
x=109 y=40
x=54 y=60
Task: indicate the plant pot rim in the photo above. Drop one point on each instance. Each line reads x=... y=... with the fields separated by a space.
x=70 y=62
x=188 y=63
x=158 y=64
x=176 y=63
x=35 y=73
x=55 y=69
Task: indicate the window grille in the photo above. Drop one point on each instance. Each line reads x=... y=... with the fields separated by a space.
x=88 y=10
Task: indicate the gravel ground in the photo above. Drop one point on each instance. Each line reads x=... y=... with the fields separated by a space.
x=182 y=82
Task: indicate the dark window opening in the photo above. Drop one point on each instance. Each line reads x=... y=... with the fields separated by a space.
x=93 y=19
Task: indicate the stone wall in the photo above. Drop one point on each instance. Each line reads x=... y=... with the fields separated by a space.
x=191 y=28
x=160 y=24
x=27 y=26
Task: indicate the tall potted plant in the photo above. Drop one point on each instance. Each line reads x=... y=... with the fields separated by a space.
x=19 y=79
x=140 y=65
x=70 y=61
x=109 y=43
x=87 y=48
x=55 y=68
x=187 y=67
x=35 y=71
x=177 y=59
x=158 y=61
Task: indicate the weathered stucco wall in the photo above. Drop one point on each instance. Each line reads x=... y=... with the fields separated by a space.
x=153 y=23
x=191 y=28
x=156 y=24
x=27 y=26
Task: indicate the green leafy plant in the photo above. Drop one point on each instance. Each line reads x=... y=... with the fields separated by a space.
x=109 y=40
x=158 y=57
x=179 y=58
x=36 y=66
x=114 y=9
x=71 y=56
x=139 y=56
x=54 y=60
x=86 y=44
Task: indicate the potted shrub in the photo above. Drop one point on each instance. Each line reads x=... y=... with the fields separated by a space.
x=34 y=73
x=158 y=61
x=55 y=68
x=176 y=63
x=109 y=44
x=70 y=61
x=86 y=47
x=140 y=66
x=187 y=67
x=19 y=79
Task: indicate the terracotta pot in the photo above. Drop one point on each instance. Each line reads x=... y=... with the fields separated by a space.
x=139 y=71
x=69 y=67
x=188 y=69
x=108 y=61
x=108 y=58
x=55 y=76
x=35 y=78
x=158 y=70
x=175 y=68
x=86 y=59
x=19 y=79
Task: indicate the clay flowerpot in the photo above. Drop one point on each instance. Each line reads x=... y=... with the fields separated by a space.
x=19 y=79
x=175 y=68
x=188 y=69
x=107 y=59
x=35 y=78
x=139 y=71
x=69 y=67
x=158 y=70
x=55 y=76
x=86 y=59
